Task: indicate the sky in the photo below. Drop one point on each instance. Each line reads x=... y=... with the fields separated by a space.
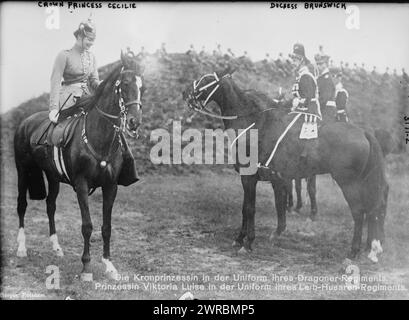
x=29 y=47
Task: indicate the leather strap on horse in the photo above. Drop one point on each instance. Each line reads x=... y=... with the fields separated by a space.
x=103 y=161
x=281 y=138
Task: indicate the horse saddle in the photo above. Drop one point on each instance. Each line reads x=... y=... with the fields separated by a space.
x=59 y=134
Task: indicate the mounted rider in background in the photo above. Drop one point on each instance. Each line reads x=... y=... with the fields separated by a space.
x=326 y=86
x=341 y=99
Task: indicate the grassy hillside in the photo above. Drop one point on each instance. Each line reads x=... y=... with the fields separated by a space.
x=375 y=100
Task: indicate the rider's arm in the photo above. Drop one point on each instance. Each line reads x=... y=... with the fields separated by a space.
x=56 y=77
x=326 y=91
x=306 y=89
x=341 y=99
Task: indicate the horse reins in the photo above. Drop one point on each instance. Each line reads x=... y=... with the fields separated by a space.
x=103 y=161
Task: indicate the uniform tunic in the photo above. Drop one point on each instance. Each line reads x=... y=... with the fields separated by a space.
x=326 y=89
x=305 y=89
x=341 y=102
x=75 y=71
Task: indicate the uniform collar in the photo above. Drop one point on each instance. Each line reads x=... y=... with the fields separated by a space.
x=303 y=69
x=326 y=71
x=78 y=48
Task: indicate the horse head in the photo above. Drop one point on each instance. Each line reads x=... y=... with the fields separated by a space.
x=201 y=91
x=129 y=88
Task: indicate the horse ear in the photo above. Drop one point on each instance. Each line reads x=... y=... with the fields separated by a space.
x=228 y=70
x=122 y=57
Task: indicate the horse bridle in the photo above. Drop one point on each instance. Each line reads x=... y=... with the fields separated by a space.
x=123 y=107
x=199 y=91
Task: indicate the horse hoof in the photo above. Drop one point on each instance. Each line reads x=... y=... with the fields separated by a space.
x=375 y=249
x=275 y=235
x=56 y=246
x=372 y=256
x=59 y=252
x=110 y=270
x=236 y=244
x=243 y=251
x=353 y=254
x=22 y=253
x=307 y=234
x=86 y=277
x=113 y=275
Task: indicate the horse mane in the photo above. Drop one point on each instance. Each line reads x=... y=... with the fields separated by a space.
x=88 y=102
x=256 y=99
x=107 y=82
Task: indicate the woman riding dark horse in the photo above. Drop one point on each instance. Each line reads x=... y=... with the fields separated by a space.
x=91 y=157
x=355 y=162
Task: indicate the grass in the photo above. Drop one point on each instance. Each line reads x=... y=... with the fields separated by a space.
x=184 y=225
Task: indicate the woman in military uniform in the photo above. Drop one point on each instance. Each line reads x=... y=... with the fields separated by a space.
x=75 y=74
x=75 y=71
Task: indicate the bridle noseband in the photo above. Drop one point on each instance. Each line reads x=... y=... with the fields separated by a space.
x=123 y=107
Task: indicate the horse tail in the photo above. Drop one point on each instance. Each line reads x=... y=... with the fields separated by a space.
x=374 y=175
x=29 y=173
x=385 y=141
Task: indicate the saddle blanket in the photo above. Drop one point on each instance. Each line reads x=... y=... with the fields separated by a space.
x=309 y=129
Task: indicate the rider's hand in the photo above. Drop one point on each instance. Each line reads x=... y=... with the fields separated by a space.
x=53 y=116
x=296 y=102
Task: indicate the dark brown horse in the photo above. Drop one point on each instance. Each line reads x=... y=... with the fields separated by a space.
x=352 y=157
x=93 y=158
x=386 y=142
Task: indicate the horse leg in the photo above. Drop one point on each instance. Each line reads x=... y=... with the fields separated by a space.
x=312 y=191
x=243 y=231
x=21 y=210
x=81 y=187
x=298 y=191
x=249 y=207
x=376 y=221
x=289 y=201
x=108 y=193
x=352 y=193
x=53 y=190
x=280 y=195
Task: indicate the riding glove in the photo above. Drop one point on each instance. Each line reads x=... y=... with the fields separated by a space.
x=53 y=116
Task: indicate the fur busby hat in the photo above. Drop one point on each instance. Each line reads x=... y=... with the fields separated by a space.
x=321 y=58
